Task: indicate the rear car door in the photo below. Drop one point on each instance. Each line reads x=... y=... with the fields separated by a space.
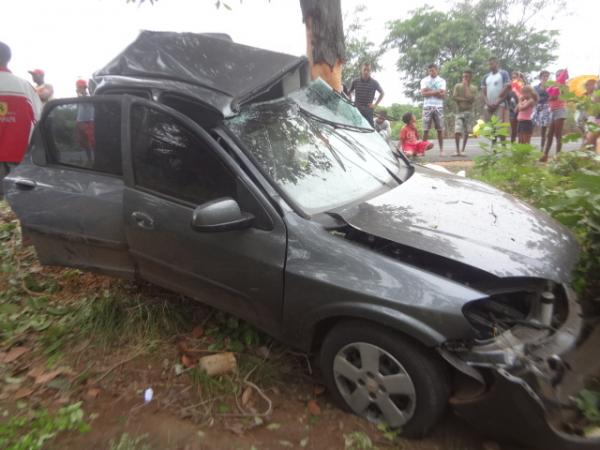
x=174 y=166
x=68 y=191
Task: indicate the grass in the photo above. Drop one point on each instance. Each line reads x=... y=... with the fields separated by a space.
x=127 y=442
x=32 y=430
x=55 y=310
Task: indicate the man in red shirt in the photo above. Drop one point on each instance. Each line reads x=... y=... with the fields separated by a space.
x=20 y=108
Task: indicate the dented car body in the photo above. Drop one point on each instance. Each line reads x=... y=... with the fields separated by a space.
x=269 y=197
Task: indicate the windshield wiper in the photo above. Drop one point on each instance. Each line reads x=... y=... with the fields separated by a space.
x=336 y=125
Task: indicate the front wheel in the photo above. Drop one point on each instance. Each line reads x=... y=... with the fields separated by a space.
x=384 y=377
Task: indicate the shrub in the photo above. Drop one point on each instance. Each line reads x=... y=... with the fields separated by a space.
x=568 y=188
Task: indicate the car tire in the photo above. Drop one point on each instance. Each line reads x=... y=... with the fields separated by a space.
x=384 y=377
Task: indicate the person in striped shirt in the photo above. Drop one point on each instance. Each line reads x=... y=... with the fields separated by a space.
x=364 y=89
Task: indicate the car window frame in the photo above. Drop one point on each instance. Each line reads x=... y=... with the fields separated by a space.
x=45 y=138
x=219 y=152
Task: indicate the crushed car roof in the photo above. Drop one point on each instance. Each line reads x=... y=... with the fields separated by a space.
x=208 y=67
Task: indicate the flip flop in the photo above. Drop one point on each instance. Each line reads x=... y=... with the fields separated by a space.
x=456 y=155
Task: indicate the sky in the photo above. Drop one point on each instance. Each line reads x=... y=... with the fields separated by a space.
x=70 y=39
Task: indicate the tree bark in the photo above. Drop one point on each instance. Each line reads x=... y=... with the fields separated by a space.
x=325 y=47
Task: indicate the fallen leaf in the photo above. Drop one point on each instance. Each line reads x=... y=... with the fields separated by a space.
x=59 y=384
x=198 y=332
x=178 y=368
x=318 y=390
x=13 y=380
x=45 y=377
x=273 y=426
x=286 y=444
x=14 y=353
x=304 y=442
x=64 y=400
x=22 y=393
x=36 y=371
x=313 y=408
x=92 y=393
x=246 y=396
x=236 y=428
x=187 y=361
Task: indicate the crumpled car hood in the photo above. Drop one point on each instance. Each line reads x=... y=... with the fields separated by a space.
x=469 y=222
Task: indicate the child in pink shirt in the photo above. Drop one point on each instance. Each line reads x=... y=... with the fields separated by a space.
x=527 y=102
x=409 y=138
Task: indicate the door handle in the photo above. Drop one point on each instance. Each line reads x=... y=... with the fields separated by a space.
x=24 y=184
x=143 y=220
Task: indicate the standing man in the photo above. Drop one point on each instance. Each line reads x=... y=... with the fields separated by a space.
x=84 y=125
x=20 y=108
x=364 y=89
x=44 y=90
x=464 y=95
x=433 y=89
x=495 y=87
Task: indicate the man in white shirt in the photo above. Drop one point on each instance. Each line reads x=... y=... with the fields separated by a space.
x=495 y=87
x=433 y=89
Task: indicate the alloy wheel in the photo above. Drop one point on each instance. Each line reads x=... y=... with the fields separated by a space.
x=374 y=384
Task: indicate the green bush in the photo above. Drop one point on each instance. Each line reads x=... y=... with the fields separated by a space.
x=567 y=188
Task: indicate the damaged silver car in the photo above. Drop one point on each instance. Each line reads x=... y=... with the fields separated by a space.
x=219 y=171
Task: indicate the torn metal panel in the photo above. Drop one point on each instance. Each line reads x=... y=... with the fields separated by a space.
x=511 y=411
x=196 y=63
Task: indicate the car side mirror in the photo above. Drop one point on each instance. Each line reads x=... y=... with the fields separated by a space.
x=222 y=214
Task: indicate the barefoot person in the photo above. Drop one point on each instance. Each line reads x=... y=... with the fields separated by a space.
x=525 y=109
x=409 y=138
x=542 y=114
x=433 y=89
x=558 y=114
x=464 y=95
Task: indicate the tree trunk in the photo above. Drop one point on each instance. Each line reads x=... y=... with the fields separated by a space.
x=324 y=40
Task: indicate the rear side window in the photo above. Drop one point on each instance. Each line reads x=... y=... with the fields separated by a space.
x=170 y=159
x=85 y=135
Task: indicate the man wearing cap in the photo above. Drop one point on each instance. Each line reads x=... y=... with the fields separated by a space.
x=44 y=90
x=20 y=108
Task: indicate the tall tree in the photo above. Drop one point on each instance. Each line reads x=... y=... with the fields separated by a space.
x=467 y=35
x=359 y=48
x=325 y=46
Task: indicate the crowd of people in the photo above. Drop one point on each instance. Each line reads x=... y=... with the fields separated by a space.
x=508 y=97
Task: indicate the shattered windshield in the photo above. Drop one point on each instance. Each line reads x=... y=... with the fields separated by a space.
x=318 y=149
x=321 y=101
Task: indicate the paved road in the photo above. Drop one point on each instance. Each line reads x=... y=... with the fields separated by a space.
x=473 y=149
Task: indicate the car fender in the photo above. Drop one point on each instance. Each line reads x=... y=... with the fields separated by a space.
x=320 y=321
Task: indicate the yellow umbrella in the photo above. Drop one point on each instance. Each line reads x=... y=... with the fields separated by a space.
x=577 y=84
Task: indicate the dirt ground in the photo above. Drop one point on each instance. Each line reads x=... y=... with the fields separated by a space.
x=68 y=336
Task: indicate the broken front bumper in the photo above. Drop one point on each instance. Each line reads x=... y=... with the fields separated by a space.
x=523 y=372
